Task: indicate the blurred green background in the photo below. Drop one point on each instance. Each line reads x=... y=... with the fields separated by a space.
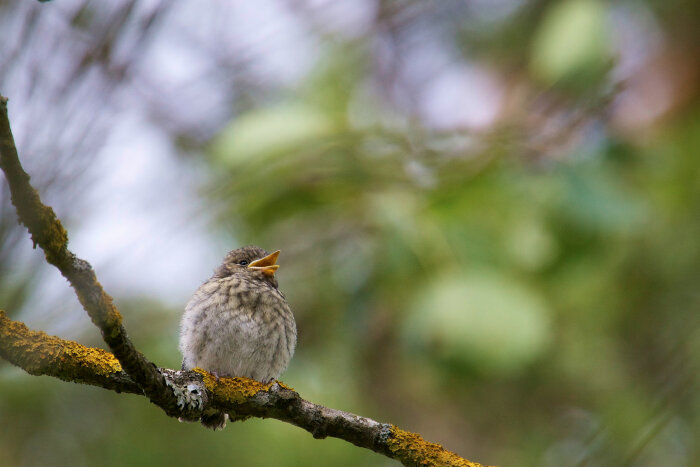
x=488 y=211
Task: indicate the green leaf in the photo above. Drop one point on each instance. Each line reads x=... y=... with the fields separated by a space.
x=269 y=132
x=571 y=42
x=483 y=321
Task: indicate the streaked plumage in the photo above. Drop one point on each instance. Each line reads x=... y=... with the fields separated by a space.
x=238 y=323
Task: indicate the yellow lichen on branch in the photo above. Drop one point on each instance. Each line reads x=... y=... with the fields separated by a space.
x=412 y=449
x=97 y=360
x=231 y=390
x=41 y=354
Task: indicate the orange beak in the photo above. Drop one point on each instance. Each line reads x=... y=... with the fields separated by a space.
x=267 y=264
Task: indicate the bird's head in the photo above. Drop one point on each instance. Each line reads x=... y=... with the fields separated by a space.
x=252 y=262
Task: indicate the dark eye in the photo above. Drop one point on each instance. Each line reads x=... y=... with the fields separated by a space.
x=243 y=262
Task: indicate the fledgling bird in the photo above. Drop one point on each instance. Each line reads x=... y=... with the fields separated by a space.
x=238 y=323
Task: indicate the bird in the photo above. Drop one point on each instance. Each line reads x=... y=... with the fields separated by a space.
x=238 y=323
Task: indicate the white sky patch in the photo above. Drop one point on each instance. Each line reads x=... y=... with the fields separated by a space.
x=149 y=233
x=461 y=96
x=349 y=19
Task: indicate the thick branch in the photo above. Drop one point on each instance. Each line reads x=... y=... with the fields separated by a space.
x=283 y=403
x=40 y=354
x=47 y=232
x=199 y=391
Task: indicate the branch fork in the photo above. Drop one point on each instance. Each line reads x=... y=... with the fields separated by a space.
x=186 y=395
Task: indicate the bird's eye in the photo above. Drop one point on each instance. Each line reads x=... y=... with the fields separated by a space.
x=243 y=262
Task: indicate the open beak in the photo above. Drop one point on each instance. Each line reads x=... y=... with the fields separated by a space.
x=267 y=264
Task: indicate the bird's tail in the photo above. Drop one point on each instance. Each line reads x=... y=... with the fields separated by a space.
x=215 y=421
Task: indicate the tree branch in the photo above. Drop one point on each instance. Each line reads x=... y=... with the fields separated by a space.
x=198 y=391
x=184 y=394
x=47 y=232
x=37 y=353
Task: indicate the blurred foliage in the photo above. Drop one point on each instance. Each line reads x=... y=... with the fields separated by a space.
x=523 y=291
x=571 y=44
